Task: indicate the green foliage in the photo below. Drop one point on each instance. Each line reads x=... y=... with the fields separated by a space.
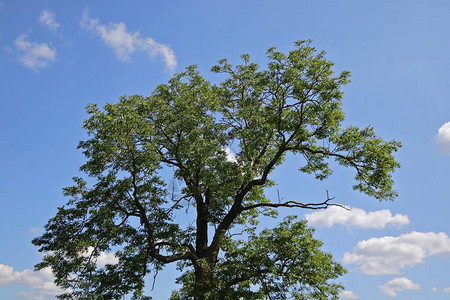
x=284 y=262
x=188 y=125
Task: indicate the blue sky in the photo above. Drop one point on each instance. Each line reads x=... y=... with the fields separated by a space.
x=58 y=56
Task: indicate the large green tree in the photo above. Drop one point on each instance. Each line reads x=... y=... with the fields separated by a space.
x=188 y=126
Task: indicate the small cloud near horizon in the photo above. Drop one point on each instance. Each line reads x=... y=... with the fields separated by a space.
x=39 y=281
x=348 y=295
x=396 y=285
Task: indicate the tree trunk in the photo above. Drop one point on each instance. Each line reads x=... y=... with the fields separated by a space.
x=203 y=280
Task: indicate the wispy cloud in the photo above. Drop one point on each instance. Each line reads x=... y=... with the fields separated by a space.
x=356 y=218
x=47 y=18
x=33 y=55
x=396 y=285
x=33 y=230
x=388 y=255
x=125 y=43
x=443 y=139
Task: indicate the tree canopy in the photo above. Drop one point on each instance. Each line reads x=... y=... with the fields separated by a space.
x=188 y=125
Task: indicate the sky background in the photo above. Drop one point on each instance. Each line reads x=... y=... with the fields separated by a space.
x=58 y=56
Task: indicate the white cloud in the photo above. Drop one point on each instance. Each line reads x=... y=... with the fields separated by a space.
x=106 y=259
x=124 y=43
x=348 y=295
x=355 y=217
x=397 y=285
x=154 y=48
x=230 y=155
x=115 y=36
x=446 y=290
x=434 y=289
x=47 y=18
x=41 y=281
x=443 y=139
x=388 y=255
x=103 y=259
x=34 y=55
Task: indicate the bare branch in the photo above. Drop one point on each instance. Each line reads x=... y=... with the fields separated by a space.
x=177 y=202
x=319 y=205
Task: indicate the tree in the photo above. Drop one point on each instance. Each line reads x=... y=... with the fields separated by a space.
x=188 y=125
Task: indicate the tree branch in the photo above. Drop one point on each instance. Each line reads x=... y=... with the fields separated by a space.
x=144 y=220
x=320 y=205
x=236 y=208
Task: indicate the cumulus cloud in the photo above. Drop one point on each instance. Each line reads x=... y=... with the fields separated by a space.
x=41 y=281
x=443 y=139
x=388 y=255
x=348 y=295
x=356 y=217
x=446 y=290
x=397 y=285
x=125 y=43
x=32 y=55
x=47 y=18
